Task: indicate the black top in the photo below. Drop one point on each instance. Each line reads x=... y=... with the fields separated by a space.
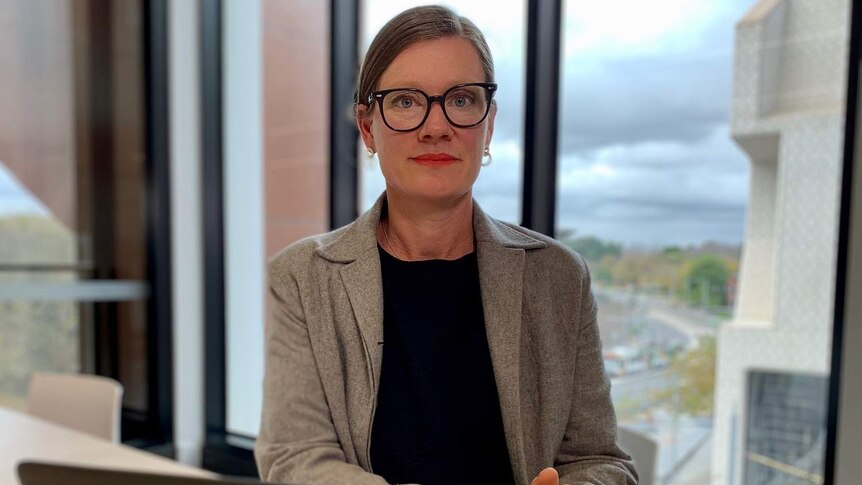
x=438 y=414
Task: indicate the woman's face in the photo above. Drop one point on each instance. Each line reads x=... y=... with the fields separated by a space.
x=438 y=161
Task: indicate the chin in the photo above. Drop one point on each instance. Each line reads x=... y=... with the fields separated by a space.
x=447 y=194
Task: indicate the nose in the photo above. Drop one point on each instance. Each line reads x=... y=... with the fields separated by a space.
x=436 y=125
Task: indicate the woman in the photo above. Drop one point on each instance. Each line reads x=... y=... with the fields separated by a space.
x=427 y=342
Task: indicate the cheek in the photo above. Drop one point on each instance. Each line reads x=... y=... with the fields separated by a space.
x=478 y=143
x=389 y=151
x=388 y=145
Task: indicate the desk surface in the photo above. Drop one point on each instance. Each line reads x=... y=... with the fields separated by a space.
x=24 y=437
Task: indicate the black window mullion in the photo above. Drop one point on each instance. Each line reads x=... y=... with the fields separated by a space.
x=541 y=109
x=98 y=111
x=343 y=171
x=159 y=307
x=845 y=231
x=213 y=217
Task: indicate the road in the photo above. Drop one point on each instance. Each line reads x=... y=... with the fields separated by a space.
x=640 y=385
x=640 y=321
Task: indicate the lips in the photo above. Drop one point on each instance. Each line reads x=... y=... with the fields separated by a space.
x=435 y=159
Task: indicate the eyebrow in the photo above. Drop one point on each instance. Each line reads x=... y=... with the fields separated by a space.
x=409 y=85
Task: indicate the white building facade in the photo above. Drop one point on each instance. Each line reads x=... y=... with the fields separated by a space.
x=788 y=116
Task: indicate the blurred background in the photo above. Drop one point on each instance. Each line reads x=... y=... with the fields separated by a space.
x=154 y=155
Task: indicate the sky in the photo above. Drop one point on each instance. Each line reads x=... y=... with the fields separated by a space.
x=14 y=198
x=645 y=153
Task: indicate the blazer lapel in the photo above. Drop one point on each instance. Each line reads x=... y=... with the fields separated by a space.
x=355 y=252
x=364 y=285
x=501 y=255
x=500 y=277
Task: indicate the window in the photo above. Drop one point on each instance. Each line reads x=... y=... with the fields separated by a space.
x=700 y=150
x=275 y=175
x=76 y=175
x=698 y=174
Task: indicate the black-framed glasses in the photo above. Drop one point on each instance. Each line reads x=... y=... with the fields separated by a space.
x=406 y=109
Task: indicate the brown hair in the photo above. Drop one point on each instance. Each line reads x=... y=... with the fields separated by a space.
x=410 y=27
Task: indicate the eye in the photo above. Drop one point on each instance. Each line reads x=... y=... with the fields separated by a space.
x=461 y=99
x=404 y=100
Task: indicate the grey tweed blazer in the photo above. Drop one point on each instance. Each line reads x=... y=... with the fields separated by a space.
x=323 y=358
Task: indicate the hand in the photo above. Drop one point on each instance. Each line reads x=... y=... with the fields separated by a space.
x=548 y=476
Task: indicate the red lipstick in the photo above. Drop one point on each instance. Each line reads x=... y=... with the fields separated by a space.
x=435 y=159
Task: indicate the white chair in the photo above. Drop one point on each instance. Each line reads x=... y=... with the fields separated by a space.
x=643 y=450
x=83 y=402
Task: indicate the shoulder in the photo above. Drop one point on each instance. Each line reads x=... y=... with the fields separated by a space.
x=294 y=260
x=355 y=241
x=553 y=256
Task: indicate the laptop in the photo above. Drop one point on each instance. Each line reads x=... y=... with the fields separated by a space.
x=36 y=473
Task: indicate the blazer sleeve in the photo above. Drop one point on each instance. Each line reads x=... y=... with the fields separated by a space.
x=297 y=442
x=589 y=453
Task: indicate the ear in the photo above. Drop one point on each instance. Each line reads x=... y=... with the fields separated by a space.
x=491 y=115
x=364 y=120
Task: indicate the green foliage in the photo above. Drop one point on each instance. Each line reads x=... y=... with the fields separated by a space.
x=35 y=239
x=705 y=281
x=673 y=254
x=35 y=335
x=696 y=373
x=695 y=275
x=594 y=249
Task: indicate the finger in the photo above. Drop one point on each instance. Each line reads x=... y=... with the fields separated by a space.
x=548 y=476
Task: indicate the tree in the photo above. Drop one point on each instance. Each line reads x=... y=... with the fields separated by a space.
x=705 y=280
x=35 y=335
x=600 y=255
x=594 y=249
x=695 y=373
x=697 y=378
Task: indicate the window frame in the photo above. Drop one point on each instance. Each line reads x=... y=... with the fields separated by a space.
x=231 y=453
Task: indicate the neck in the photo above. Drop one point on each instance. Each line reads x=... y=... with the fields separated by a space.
x=420 y=230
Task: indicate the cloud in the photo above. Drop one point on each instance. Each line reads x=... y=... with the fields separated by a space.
x=645 y=99
x=657 y=193
x=645 y=151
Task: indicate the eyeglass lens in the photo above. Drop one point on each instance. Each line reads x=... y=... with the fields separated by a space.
x=405 y=109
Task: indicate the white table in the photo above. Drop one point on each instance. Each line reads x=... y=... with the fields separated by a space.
x=26 y=438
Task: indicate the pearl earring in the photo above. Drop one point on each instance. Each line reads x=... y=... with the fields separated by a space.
x=487 y=155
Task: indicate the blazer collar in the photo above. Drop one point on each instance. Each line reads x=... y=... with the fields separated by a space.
x=360 y=237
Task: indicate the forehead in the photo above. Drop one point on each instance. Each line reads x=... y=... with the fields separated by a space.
x=434 y=66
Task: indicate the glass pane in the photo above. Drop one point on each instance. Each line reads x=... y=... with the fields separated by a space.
x=699 y=175
x=73 y=186
x=498 y=188
x=785 y=435
x=292 y=171
x=35 y=336
x=38 y=205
